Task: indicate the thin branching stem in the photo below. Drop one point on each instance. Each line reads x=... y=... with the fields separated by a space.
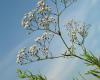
x=59 y=31
x=45 y=30
x=61 y=56
x=60 y=34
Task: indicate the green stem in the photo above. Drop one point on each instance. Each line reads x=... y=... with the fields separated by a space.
x=62 y=56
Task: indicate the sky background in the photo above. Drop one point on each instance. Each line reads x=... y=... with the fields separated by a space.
x=13 y=37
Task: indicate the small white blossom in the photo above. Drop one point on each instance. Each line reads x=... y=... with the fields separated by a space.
x=45 y=50
x=33 y=50
x=42 y=7
x=25 y=24
x=26 y=21
x=38 y=39
x=71 y=25
x=52 y=19
x=75 y=29
x=20 y=56
x=30 y=15
x=22 y=50
x=72 y=28
x=41 y=3
x=44 y=37
x=83 y=29
x=46 y=21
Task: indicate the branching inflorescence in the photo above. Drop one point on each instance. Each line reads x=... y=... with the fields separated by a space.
x=44 y=18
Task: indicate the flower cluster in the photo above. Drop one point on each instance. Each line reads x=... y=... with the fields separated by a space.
x=71 y=26
x=46 y=21
x=21 y=56
x=27 y=20
x=76 y=29
x=45 y=51
x=33 y=53
x=33 y=50
x=25 y=56
x=44 y=43
x=40 y=16
x=42 y=7
x=45 y=36
x=83 y=30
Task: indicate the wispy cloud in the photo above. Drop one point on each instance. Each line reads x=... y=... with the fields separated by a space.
x=61 y=69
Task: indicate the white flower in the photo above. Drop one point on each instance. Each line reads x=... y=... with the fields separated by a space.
x=25 y=24
x=44 y=37
x=52 y=19
x=38 y=39
x=71 y=25
x=21 y=56
x=26 y=21
x=42 y=7
x=30 y=15
x=41 y=3
x=46 y=21
x=33 y=50
x=76 y=29
x=72 y=28
x=21 y=50
x=83 y=29
x=45 y=50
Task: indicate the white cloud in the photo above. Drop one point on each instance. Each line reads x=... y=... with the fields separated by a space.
x=61 y=69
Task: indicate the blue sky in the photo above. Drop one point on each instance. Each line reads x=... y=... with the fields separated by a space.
x=13 y=37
